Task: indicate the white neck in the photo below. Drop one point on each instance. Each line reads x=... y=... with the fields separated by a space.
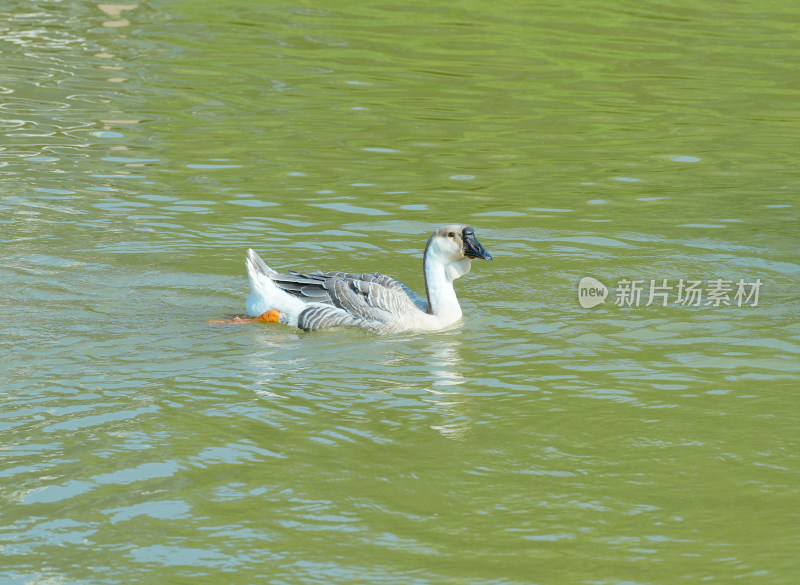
x=439 y=277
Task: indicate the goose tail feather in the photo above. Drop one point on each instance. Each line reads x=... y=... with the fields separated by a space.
x=266 y=295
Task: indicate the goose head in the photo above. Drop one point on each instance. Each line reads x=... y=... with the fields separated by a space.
x=454 y=246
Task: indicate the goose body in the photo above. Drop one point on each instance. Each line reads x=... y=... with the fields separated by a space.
x=375 y=302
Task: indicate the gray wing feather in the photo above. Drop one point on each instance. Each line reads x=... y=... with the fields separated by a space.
x=370 y=301
x=336 y=287
x=315 y=293
x=421 y=304
x=394 y=284
x=320 y=316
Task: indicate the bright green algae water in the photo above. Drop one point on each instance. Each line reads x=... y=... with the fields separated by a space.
x=145 y=147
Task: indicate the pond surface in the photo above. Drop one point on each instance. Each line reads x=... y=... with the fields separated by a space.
x=647 y=439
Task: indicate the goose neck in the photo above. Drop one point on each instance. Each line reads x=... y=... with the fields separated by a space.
x=442 y=300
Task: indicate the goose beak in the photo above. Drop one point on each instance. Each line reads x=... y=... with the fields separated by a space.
x=472 y=247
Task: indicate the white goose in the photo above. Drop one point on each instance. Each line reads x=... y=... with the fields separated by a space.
x=375 y=302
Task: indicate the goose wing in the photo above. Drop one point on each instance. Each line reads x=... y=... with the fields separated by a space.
x=308 y=287
x=319 y=287
x=392 y=283
x=371 y=301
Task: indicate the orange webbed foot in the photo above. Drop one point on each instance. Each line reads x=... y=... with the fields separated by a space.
x=236 y=320
x=270 y=316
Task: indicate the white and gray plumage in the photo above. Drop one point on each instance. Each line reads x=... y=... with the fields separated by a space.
x=375 y=302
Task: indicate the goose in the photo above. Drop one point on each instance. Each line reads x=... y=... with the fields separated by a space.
x=376 y=302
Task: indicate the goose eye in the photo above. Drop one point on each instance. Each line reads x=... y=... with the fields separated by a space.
x=451 y=235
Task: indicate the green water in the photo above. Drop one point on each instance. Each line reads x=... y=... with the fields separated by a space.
x=145 y=147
